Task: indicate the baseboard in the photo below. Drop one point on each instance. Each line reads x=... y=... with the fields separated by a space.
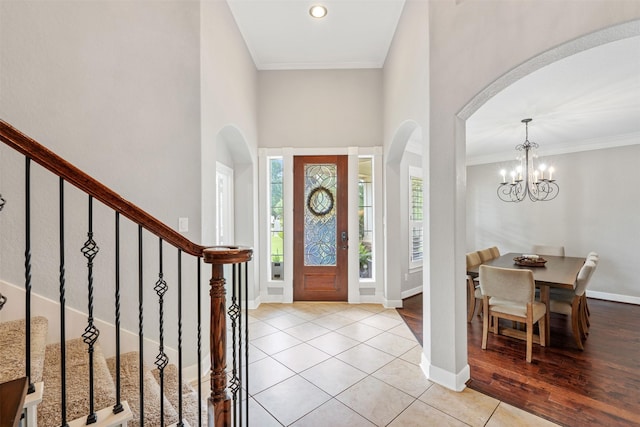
x=392 y=303
x=613 y=297
x=411 y=292
x=455 y=382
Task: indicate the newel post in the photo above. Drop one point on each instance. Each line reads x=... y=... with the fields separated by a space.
x=219 y=402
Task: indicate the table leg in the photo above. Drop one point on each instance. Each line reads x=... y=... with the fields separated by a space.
x=544 y=298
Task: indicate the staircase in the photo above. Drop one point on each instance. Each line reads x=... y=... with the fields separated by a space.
x=46 y=370
x=74 y=384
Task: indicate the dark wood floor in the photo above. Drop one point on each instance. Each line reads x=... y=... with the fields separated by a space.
x=598 y=386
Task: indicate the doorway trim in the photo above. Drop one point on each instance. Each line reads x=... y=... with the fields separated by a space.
x=282 y=290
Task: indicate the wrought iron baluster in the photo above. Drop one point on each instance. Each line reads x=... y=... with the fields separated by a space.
x=90 y=249
x=234 y=384
x=246 y=339
x=63 y=347
x=199 y=342
x=3 y=299
x=161 y=358
x=117 y=408
x=27 y=272
x=240 y=364
x=180 y=423
x=140 y=326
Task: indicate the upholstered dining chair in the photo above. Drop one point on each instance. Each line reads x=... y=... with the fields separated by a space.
x=495 y=252
x=486 y=255
x=508 y=293
x=548 y=250
x=573 y=305
x=473 y=286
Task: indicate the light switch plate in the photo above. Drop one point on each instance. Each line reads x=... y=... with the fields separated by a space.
x=183 y=225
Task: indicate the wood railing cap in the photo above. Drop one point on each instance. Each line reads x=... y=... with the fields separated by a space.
x=227 y=254
x=71 y=174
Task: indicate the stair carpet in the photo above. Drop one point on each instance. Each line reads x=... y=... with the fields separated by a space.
x=45 y=366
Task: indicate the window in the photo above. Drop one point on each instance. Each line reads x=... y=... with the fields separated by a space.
x=365 y=216
x=276 y=241
x=415 y=217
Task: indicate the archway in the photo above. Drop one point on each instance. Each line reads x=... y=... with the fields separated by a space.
x=408 y=134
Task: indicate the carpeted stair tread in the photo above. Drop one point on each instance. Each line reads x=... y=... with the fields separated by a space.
x=12 y=348
x=77 y=383
x=129 y=391
x=189 y=395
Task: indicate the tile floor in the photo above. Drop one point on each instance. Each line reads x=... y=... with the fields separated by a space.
x=335 y=364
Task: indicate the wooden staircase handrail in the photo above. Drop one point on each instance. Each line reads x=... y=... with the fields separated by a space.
x=60 y=167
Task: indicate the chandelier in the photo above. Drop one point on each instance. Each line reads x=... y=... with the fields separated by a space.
x=526 y=180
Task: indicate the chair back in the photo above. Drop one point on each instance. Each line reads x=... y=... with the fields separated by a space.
x=584 y=276
x=486 y=255
x=473 y=259
x=548 y=250
x=593 y=256
x=495 y=252
x=507 y=283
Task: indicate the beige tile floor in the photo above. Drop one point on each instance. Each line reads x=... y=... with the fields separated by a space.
x=335 y=364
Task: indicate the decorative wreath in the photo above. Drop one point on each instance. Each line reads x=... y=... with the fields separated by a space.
x=312 y=201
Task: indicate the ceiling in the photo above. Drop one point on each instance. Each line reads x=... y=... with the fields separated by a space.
x=586 y=101
x=281 y=35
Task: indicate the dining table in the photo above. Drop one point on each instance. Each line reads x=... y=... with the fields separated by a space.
x=556 y=272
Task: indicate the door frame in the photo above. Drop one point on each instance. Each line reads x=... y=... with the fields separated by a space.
x=281 y=291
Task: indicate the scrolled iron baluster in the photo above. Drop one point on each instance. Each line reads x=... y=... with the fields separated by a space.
x=234 y=311
x=199 y=288
x=27 y=273
x=161 y=359
x=140 y=326
x=63 y=351
x=90 y=249
x=180 y=423
x=117 y=407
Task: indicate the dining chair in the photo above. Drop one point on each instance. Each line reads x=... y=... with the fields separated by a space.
x=486 y=255
x=508 y=293
x=574 y=305
x=473 y=286
x=548 y=250
x=495 y=252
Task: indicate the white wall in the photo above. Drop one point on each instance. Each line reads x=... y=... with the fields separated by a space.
x=596 y=210
x=320 y=108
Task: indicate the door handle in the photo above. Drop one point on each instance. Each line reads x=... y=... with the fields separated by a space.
x=345 y=239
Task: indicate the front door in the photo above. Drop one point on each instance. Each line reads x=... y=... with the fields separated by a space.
x=320 y=228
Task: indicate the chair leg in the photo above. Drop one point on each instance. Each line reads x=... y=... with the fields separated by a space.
x=472 y=302
x=485 y=323
x=542 y=325
x=587 y=313
x=529 y=340
x=575 y=322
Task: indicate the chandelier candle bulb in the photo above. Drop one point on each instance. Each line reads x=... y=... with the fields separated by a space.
x=551 y=174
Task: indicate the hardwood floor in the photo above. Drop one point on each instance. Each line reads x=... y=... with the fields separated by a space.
x=597 y=386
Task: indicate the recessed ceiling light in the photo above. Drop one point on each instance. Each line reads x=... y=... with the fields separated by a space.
x=318 y=11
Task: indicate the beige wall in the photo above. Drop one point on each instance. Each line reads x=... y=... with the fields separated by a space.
x=320 y=108
x=472 y=44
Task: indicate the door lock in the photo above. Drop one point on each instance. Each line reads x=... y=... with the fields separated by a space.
x=345 y=239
